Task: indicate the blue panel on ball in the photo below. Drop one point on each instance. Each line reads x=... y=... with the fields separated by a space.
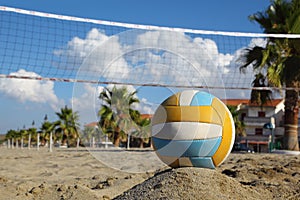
x=186 y=148
x=202 y=99
x=204 y=162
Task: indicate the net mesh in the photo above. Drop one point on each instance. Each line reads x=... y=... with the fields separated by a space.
x=45 y=46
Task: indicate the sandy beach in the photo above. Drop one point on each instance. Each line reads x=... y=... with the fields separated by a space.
x=139 y=174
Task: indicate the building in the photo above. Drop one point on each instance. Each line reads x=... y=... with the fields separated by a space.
x=255 y=117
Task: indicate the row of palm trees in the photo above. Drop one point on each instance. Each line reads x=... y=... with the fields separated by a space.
x=119 y=123
x=64 y=130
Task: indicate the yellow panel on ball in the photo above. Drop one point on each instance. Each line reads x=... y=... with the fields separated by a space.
x=220 y=108
x=227 y=140
x=186 y=114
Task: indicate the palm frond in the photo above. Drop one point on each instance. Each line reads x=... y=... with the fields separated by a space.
x=274 y=73
x=252 y=56
x=260 y=97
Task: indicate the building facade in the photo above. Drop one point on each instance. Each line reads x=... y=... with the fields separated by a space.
x=255 y=117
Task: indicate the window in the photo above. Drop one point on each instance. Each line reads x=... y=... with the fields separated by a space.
x=243 y=116
x=261 y=114
x=258 y=131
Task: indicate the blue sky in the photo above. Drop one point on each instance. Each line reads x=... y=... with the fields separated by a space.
x=231 y=15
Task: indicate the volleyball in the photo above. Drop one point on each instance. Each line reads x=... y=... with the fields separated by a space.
x=193 y=129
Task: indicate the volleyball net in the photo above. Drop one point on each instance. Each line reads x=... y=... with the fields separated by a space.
x=43 y=46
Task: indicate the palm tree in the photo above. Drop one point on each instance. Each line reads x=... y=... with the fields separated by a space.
x=67 y=125
x=238 y=124
x=10 y=135
x=115 y=118
x=88 y=134
x=23 y=134
x=46 y=129
x=144 y=131
x=279 y=60
x=32 y=134
x=106 y=122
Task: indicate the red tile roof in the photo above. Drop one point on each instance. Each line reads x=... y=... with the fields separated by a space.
x=92 y=124
x=236 y=102
x=146 y=116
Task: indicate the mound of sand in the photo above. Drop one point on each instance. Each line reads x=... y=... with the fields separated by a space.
x=242 y=176
x=192 y=183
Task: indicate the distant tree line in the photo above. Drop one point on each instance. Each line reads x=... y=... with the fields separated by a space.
x=118 y=122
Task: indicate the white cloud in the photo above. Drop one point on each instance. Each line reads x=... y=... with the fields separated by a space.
x=141 y=57
x=85 y=101
x=87 y=97
x=261 y=42
x=78 y=47
x=145 y=107
x=26 y=90
x=161 y=57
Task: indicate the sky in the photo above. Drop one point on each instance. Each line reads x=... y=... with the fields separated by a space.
x=22 y=101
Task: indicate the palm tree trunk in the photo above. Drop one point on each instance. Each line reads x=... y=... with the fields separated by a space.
x=29 y=140
x=64 y=140
x=290 y=140
x=78 y=142
x=50 y=142
x=117 y=136
x=117 y=139
x=38 y=141
x=141 y=143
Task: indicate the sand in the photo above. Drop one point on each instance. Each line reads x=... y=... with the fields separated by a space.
x=139 y=174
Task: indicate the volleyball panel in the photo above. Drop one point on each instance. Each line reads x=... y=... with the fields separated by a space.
x=186 y=131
